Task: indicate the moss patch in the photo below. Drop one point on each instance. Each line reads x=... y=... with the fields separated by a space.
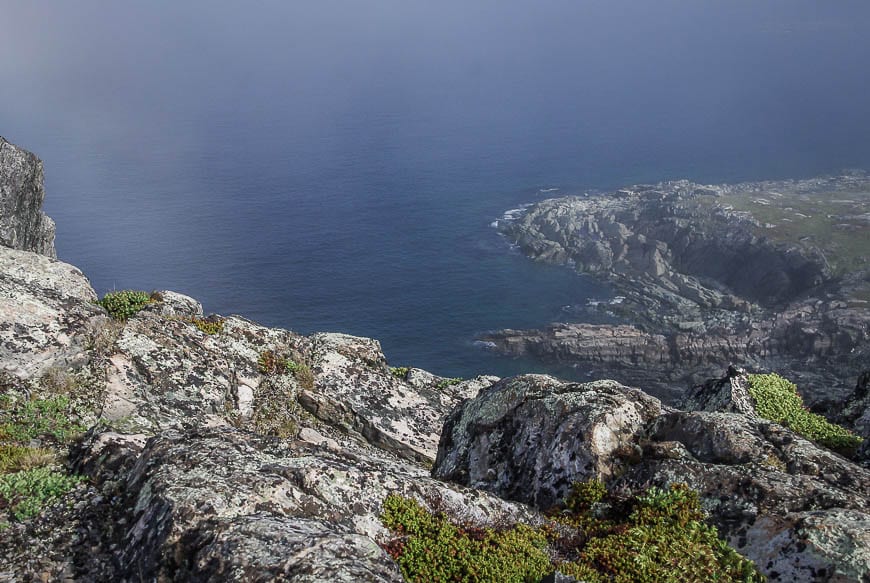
x=777 y=399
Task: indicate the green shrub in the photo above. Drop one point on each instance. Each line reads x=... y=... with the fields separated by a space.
x=584 y=494
x=124 y=304
x=777 y=399
x=40 y=418
x=400 y=372
x=657 y=536
x=432 y=549
x=25 y=493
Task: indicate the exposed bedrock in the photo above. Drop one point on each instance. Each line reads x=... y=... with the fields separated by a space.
x=23 y=225
x=797 y=509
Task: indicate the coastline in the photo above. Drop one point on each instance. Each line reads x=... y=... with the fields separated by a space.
x=711 y=274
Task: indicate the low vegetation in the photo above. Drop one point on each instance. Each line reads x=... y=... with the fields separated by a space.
x=210 y=326
x=24 y=494
x=660 y=535
x=271 y=363
x=30 y=475
x=777 y=399
x=124 y=304
x=400 y=372
x=444 y=383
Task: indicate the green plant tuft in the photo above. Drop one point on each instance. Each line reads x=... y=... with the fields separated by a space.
x=124 y=304
x=777 y=399
x=271 y=363
x=584 y=494
x=208 y=325
x=444 y=383
x=27 y=492
x=400 y=372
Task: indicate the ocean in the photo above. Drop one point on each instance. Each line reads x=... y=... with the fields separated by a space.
x=336 y=166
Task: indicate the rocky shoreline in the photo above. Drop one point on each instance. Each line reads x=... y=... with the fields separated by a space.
x=770 y=275
x=143 y=440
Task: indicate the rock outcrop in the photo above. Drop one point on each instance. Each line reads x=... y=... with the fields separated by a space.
x=528 y=438
x=48 y=317
x=23 y=225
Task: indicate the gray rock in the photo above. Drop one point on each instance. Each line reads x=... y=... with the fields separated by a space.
x=23 y=225
x=222 y=504
x=48 y=318
x=529 y=438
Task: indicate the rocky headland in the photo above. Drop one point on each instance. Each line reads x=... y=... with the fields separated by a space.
x=143 y=440
x=769 y=275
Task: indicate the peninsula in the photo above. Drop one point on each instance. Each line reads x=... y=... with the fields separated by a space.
x=769 y=275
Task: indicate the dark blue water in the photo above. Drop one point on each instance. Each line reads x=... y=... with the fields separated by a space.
x=335 y=165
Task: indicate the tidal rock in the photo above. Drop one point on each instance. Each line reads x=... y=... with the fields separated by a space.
x=23 y=225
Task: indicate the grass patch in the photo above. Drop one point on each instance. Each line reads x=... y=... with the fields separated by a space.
x=431 y=549
x=400 y=372
x=124 y=304
x=24 y=494
x=657 y=536
x=15 y=458
x=777 y=399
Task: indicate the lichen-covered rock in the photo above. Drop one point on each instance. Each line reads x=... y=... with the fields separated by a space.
x=23 y=225
x=226 y=505
x=356 y=391
x=529 y=438
x=48 y=317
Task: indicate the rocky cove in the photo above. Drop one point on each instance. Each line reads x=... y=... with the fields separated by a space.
x=770 y=275
x=196 y=447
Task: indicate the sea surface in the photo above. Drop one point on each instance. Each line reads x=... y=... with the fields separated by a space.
x=335 y=166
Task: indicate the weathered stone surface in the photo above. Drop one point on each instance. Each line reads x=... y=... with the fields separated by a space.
x=355 y=390
x=729 y=394
x=48 y=317
x=225 y=505
x=528 y=438
x=23 y=225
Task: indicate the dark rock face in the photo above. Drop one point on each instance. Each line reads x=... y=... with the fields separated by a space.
x=795 y=508
x=23 y=225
